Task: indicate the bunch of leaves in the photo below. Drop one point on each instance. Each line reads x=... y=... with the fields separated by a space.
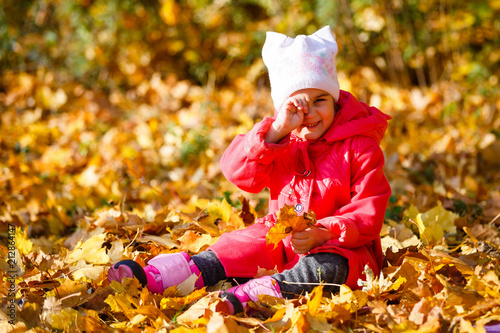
x=287 y=222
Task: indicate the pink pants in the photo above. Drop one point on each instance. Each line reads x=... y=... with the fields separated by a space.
x=243 y=252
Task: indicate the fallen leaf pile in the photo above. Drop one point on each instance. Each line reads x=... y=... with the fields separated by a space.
x=113 y=121
x=85 y=189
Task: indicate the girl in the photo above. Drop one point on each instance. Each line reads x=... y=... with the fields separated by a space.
x=321 y=153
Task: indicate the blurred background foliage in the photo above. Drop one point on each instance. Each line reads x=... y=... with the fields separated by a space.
x=117 y=44
x=87 y=85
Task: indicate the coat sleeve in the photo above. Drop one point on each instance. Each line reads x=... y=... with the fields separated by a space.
x=248 y=161
x=359 y=221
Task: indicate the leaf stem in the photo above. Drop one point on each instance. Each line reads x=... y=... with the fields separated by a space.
x=314 y=283
x=54 y=283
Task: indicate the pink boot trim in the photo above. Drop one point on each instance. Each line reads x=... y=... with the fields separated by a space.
x=154 y=285
x=200 y=283
x=251 y=290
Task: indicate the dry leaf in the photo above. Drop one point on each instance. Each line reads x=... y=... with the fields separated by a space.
x=164 y=240
x=23 y=244
x=194 y=242
x=314 y=301
x=91 y=272
x=287 y=221
x=91 y=251
x=197 y=314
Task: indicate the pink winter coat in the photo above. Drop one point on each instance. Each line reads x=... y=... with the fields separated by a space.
x=339 y=177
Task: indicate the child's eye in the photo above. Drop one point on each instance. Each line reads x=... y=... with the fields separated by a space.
x=320 y=100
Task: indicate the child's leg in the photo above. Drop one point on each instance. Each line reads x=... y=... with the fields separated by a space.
x=329 y=268
x=236 y=254
x=166 y=270
x=210 y=267
x=242 y=252
x=163 y=271
x=310 y=271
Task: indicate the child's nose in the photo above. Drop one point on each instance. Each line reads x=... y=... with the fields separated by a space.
x=310 y=110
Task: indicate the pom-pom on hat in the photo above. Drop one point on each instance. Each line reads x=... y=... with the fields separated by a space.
x=303 y=62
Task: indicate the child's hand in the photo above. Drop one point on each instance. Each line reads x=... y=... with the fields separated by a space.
x=290 y=116
x=304 y=241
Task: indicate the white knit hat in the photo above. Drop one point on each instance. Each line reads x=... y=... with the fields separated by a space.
x=305 y=62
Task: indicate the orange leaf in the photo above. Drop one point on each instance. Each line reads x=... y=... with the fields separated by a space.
x=287 y=222
x=314 y=301
x=134 y=170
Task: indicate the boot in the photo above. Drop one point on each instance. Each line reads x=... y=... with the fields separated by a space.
x=237 y=298
x=163 y=271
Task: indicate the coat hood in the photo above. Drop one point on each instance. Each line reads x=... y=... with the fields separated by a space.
x=356 y=118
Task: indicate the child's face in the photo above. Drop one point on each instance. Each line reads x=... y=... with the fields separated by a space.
x=319 y=114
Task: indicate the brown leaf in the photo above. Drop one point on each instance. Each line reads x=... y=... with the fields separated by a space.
x=219 y=323
x=453 y=274
x=246 y=215
x=265 y=272
x=200 y=312
x=395 y=258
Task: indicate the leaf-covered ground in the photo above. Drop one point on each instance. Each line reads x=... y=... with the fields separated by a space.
x=123 y=178
x=114 y=115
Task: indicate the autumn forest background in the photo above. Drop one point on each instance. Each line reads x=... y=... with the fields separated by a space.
x=114 y=115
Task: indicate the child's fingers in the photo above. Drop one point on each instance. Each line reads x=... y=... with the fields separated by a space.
x=297 y=104
x=294 y=101
x=300 y=104
x=291 y=106
x=299 y=235
x=304 y=234
x=301 y=247
x=305 y=106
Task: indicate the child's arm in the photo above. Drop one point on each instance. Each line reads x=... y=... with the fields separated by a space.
x=248 y=161
x=359 y=222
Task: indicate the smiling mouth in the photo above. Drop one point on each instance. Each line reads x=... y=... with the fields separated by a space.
x=311 y=125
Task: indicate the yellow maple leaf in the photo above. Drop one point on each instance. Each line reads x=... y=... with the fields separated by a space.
x=193 y=242
x=64 y=319
x=91 y=251
x=23 y=244
x=287 y=222
x=118 y=303
x=220 y=218
x=314 y=302
x=87 y=271
x=435 y=223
